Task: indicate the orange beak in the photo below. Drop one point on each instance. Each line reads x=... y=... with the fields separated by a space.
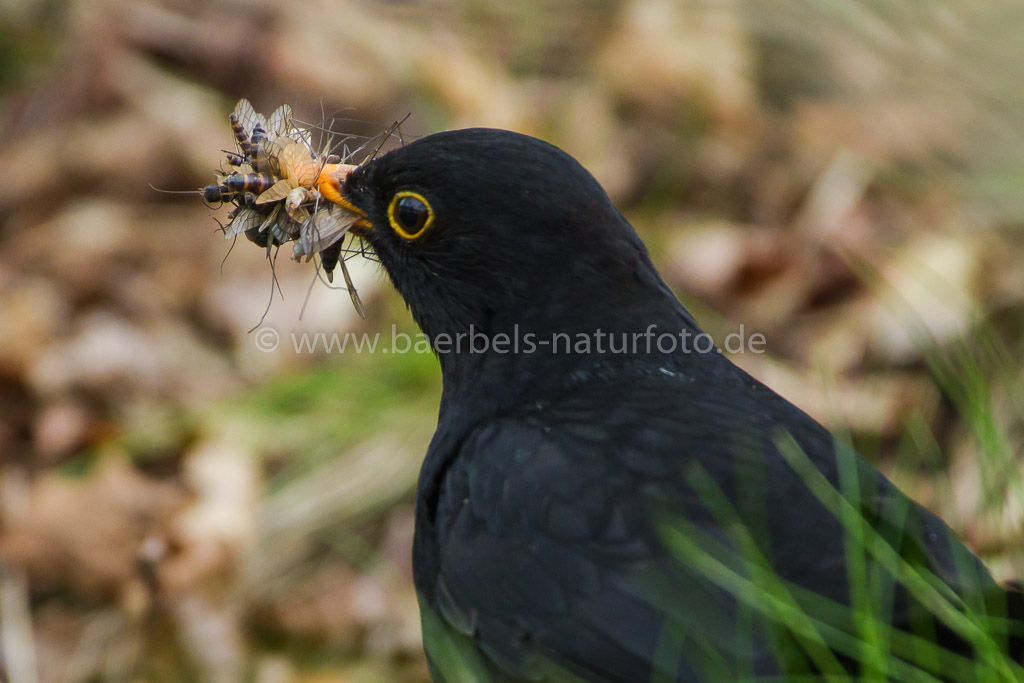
x=329 y=183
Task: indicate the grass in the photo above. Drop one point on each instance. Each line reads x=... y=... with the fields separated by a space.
x=810 y=633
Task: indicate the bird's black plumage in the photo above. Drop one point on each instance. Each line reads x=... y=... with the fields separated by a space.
x=594 y=515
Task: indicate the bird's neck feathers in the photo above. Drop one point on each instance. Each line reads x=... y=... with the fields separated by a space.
x=602 y=310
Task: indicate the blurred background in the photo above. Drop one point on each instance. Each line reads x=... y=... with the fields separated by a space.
x=846 y=178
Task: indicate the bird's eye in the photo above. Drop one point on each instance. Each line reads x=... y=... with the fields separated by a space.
x=410 y=214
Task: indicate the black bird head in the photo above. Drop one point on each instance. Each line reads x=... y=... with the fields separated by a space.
x=492 y=232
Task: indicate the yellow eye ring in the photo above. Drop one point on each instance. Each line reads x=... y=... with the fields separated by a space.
x=410 y=214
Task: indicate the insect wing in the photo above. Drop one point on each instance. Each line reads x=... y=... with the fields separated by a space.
x=280 y=122
x=302 y=136
x=266 y=157
x=247 y=116
x=271 y=219
x=286 y=228
x=298 y=165
x=275 y=192
x=324 y=228
x=244 y=219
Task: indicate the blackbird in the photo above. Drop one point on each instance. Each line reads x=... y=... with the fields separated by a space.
x=607 y=497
